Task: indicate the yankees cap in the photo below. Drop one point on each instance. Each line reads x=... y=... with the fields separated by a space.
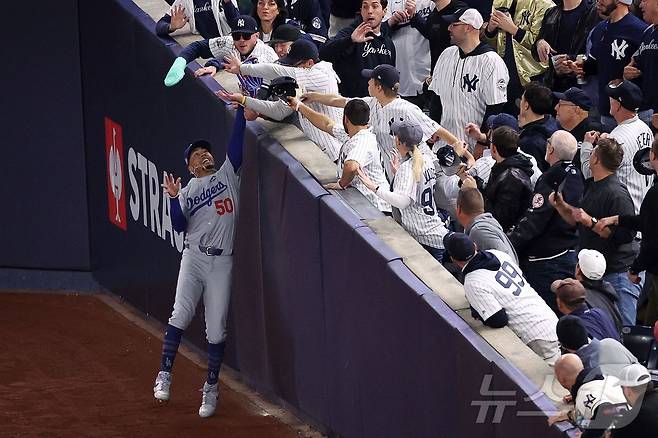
x=466 y=15
x=197 y=144
x=626 y=93
x=384 y=73
x=245 y=24
x=592 y=264
x=459 y=246
x=634 y=375
x=285 y=33
x=503 y=119
x=449 y=161
x=642 y=162
x=300 y=51
x=407 y=133
x=576 y=96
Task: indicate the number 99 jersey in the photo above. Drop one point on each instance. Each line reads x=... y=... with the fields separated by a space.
x=210 y=205
x=420 y=218
x=489 y=291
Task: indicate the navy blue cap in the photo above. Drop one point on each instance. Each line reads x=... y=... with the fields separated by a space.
x=459 y=246
x=384 y=73
x=245 y=24
x=626 y=93
x=576 y=96
x=503 y=119
x=300 y=51
x=285 y=33
x=197 y=144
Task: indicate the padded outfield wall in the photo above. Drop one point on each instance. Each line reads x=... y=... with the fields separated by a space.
x=368 y=352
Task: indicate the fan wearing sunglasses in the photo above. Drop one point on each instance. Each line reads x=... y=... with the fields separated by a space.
x=244 y=43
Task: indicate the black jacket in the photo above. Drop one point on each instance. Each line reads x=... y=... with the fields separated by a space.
x=542 y=232
x=533 y=137
x=435 y=28
x=349 y=58
x=643 y=419
x=308 y=14
x=601 y=295
x=604 y=198
x=509 y=190
x=647 y=223
x=550 y=27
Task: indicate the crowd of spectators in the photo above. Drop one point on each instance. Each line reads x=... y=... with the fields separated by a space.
x=513 y=139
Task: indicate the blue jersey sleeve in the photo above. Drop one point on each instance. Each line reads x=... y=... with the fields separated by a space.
x=198 y=49
x=178 y=221
x=235 y=144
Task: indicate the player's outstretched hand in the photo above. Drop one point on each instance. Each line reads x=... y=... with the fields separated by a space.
x=333 y=186
x=365 y=179
x=210 y=70
x=472 y=130
x=309 y=97
x=171 y=185
x=562 y=416
x=293 y=103
x=395 y=162
x=232 y=98
x=178 y=18
x=232 y=64
x=360 y=34
x=176 y=72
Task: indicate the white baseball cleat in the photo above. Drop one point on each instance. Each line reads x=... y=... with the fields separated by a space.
x=209 y=400
x=161 y=387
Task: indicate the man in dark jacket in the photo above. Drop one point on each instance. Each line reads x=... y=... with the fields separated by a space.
x=536 y=123
x=562 y=36
x=509 y=189
x=606 y=196
x=642 y=420
x=365 y=44
x=544 y=241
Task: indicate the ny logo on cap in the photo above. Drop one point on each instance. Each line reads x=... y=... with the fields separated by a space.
x=241 y=22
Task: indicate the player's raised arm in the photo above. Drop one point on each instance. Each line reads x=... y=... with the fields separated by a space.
x=318 y=120
x=172 y=186
x=335 y=100
x=235 y=149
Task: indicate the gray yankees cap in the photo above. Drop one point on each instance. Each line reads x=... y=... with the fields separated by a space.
x=407 y=133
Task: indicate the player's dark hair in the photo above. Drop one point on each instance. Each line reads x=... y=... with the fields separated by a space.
x=539 y=97
x=610 y=153
x=470 y=201
x=384 y=3
x=506 y=141
x=357 y=112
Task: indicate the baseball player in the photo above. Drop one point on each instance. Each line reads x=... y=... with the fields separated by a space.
x=206 y=210
x=243 y=43
x=472 y=79
x=385 y=108
x=413 y=189
x=302 y=63
x=500 y=296
x=205 y=17
x=359 y=147
x=631 y=133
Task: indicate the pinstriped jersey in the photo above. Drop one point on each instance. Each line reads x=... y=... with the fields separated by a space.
x=210 y=205
x=489 y=291
x=319 y=78
x=466 y=85
x=381 y=118
x=633 y=135
x=362 y=148
x=420 y=218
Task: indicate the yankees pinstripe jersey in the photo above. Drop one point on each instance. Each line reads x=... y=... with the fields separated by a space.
x=362 y=148
x=633 y=134
x=320 y=78
x=466 y=85
x=381 y=118
x=489 y=291
x=420 y=218
x=210 y=205
x=412 y=49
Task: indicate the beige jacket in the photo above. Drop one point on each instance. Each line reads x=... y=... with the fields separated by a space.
x=528 y=16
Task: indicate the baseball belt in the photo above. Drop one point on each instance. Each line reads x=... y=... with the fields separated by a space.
x=208 y=250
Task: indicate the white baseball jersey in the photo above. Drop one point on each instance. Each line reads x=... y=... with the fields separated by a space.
x=210 y=205
x=489 y=291
x=420 y=218
x=594 y=393
x=319 y=78
x=466 y=85
x=412 y=49
x=633 y=135
x=223 y=46
x=381 y=118
x=362 y=148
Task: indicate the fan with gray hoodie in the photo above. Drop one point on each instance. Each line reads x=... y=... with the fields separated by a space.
x=487 y=234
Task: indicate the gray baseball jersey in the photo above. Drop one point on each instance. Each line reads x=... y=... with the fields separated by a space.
x=362 y=148
x=381 y=118
x=490 y=291
x=319 y=78
x=420 y=218
x=466 y=85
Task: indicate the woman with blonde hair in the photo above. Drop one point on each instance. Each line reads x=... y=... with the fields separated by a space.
x=413 y=189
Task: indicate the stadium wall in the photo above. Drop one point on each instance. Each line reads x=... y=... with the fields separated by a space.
x=324 y=316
